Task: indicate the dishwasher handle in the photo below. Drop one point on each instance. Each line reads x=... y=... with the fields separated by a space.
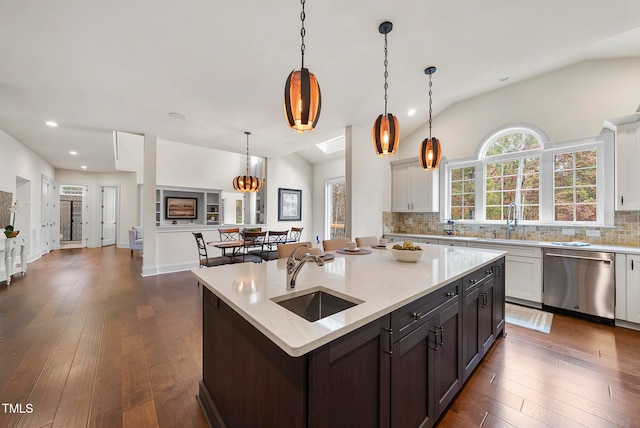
x=566 y=256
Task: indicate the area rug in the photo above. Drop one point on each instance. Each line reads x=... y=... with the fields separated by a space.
x=533 y=319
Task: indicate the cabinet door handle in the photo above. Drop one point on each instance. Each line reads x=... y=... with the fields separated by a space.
x=631 y=264
x=390 y=336
x=435 y=331
x=622 y=200
x=453 y=294
x=441 y=336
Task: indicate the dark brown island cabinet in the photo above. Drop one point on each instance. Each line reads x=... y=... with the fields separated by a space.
x=401 y=370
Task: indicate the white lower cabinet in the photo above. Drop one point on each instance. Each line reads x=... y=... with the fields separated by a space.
x=523 y=281
x=628 y=287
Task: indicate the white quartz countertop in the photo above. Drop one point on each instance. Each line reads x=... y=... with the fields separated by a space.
x=541 y=244
x=377 y=279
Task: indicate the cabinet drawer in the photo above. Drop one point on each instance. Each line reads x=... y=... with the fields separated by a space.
x=478 y=277
x=413 y=315
x=512 y=250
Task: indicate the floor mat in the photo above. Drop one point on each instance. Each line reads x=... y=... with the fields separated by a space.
x=531 y=318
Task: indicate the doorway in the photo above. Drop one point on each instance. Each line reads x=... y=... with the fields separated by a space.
x=72 y=216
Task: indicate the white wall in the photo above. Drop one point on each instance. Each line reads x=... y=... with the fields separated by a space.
x=368 y=184
x=290 y=172
x=567 y=104
x=20 y=162
x=127 y=215
x=321 y=172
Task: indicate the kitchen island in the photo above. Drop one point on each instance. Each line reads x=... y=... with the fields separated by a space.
x=397 y=357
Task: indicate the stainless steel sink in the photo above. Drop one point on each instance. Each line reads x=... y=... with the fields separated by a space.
x=316 y=304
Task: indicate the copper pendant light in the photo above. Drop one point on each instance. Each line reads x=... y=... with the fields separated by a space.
x=247 y=183
x=430 y=152
x=386 y=129
x=302 y=99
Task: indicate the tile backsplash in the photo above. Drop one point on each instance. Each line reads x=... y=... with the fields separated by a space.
x=625 y=232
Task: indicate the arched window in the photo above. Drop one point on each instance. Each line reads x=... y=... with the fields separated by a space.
x=511 y=160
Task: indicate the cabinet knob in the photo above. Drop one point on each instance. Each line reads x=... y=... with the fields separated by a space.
x=473 y=281
x=450 y=295
x=417 y=315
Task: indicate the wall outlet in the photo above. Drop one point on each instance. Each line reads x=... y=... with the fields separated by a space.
x=409 y=220
x=568 y=231
x=594 y=233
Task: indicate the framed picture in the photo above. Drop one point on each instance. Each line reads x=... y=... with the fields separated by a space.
x=177 y=208
x=289 y=204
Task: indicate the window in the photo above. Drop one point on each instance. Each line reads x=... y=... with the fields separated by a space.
x=575 y=186
x=336 y=201
x=512 y=165
x=514 y=179
x=463 y=193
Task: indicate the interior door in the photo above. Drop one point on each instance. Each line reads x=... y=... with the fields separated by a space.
x=108 y=216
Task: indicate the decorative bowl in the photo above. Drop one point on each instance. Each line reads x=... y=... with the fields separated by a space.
x=407 y=256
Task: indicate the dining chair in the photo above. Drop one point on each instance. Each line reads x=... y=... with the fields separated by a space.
x=253 y=249
x=275 y=238
x=367 y=241
x=285 y=250
x=205 y=260
x=231 y=234
x=334 y=244
x=296 y=232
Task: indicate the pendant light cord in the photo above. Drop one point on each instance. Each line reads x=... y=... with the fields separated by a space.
x=429 y=106
x=386 y=74
x=302 y=31
x=248 y=133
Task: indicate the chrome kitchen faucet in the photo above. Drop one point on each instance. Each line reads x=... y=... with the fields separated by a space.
x=293 y=269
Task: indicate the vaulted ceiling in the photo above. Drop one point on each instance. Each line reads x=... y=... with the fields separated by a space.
x=98 y=66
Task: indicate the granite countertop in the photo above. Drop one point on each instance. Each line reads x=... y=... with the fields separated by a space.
x=377 y=279
x=540 y=244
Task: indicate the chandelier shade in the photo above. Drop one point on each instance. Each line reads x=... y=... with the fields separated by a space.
x=302 y=100
x=247 y=183
x=430 y=152
x=386 y=129
x=386 y=135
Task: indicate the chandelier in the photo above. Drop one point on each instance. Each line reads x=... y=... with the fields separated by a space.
x=430 y=152
x=247 y=183
x=386 y=129
x=302 y=98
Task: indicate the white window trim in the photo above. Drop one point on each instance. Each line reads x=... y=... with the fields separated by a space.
x=603 y=143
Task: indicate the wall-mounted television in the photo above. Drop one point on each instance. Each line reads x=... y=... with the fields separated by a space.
x=180 y=208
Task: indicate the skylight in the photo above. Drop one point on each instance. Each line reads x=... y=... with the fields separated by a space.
x=333 y=145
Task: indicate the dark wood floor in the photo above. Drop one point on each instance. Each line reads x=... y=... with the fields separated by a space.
x=86 y=341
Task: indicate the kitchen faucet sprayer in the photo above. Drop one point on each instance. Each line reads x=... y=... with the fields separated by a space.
x=293 y=269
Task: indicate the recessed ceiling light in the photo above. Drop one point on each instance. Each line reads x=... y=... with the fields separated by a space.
x=412 y=112
x=51 y=123
x=73 y=152
x=178 y=116
x=83 y=166
x=504 y=79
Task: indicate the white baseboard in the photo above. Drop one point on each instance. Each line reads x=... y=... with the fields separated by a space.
x=159 y=270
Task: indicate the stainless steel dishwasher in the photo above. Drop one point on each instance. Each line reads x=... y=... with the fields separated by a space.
x=579 y=281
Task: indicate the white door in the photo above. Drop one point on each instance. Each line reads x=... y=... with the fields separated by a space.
x=49 y=231
x=108 y=216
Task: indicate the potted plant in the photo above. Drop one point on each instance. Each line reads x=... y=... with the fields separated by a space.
x=9 y=230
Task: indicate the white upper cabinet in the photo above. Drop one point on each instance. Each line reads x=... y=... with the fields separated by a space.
x=627 y=170
x=413 y=189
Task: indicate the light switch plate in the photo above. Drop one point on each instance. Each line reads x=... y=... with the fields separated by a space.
x=594 y=233
x=568 y=231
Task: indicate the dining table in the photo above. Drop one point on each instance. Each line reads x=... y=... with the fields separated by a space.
x=236 y=244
